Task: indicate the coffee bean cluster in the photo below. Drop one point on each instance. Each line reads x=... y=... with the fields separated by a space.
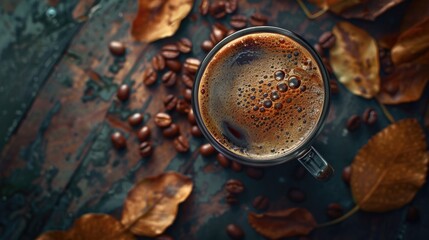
x=369 y=117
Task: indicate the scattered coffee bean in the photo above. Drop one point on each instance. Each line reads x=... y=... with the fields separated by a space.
x=165 y=237
x=143 y=134
x=158 y=62
x=207 y=150
x=171 y=131
x=118 y=140
x=353 y=123
x=238 y=22
x=117 y=48
x=234 y=186
x=162 y=120
x=204 y=7
x=174 y=65
x=188 y=80
x=188 y=94
x=413 y=214
x=183 y=106
x=334 y=86
x=170 y=51
x=169 y=79
x=191 y=117
x=255 y=173
x=170 y=102
x=217 y=9
x=318 y=49
x=370 y=116
x=231 y=6
x=123 y=92
x=230 y=31
x=261 y=203
x=191 y=65
x=234 y=232
x=236 y=166
x=135 y=119
x=296 y=195
x=207 y=45
x=327 y=40
x=231 y=199
x=145 y=149
x=181 y=144
x=346 y=174
x=222 y=160
x=149 y=76
x=334 y=211
x=185 y=45
x=300 y=172
x=218 y=33
x=258 y=19
x=195 y=131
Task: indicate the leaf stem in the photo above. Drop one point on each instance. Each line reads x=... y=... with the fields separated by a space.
x=385 y=111
x=312 y=15
x=340 y=219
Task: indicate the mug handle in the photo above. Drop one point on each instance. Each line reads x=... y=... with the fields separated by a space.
x=316 y=165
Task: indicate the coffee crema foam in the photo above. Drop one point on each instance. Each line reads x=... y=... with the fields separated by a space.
x=261 y=95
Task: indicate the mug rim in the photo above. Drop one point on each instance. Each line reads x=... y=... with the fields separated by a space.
x=304 y=146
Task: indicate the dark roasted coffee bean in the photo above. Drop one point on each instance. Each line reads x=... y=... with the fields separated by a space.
x=149 y=76
x=173 y=65
x=191 y=65
x=296 y=195
x=158 y=62
x=370 y=116
x=218 y=33
x=191 y=117
x=181 y=144
x=334 y=210
x=204 y=7
x=207 y=150
x=238 y=21
x=413 y=214
x=261 y=203
x=236 y=166
x=327 y=40
x=188 y=94
x=231 y=6
x=171 y=131
x=346 y=174
x=195 y=131
x=170 y=102
x=169 y=79
x=217 y=9
x=162 y=120
x=118 y=140
x=187 y=80
x=207 y=45
x=258 y=19
x=123 y=92
x=318 y=49
x=164 y=237
x=135 y=119
x=255 y=173
x=145 y=149
x=234 y=232
x=185 y=45
x=183 y=106
x=117 y=48
x=231 y=199
x=234 y=186
x=334 y=86
x=353 y=123
x=170 y=51
x=300 y=172
x=143 y=134
x=222 y=160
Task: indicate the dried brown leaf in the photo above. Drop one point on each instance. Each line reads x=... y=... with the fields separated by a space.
x=284 y=223
x=91 y=226
x=158 y=19
x=389 y=170
x=416 y=11
x=336 y=6
x=151 y=206
x=354 y=59
x=369 y=10
x=405 y=84
x=412 y=45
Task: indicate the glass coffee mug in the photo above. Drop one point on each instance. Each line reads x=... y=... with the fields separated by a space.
x=261 y=96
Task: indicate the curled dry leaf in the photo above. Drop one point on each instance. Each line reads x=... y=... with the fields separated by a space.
x=412 y=45
x=91 y=226
x=158 y=19
x=390 y=168
x=369 y=10
x=151 y=206
x=284 y=223
x=354 y=59
x=405 y=84
x=336 y=6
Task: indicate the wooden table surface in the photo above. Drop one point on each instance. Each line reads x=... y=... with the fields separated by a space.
x=57 y=161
